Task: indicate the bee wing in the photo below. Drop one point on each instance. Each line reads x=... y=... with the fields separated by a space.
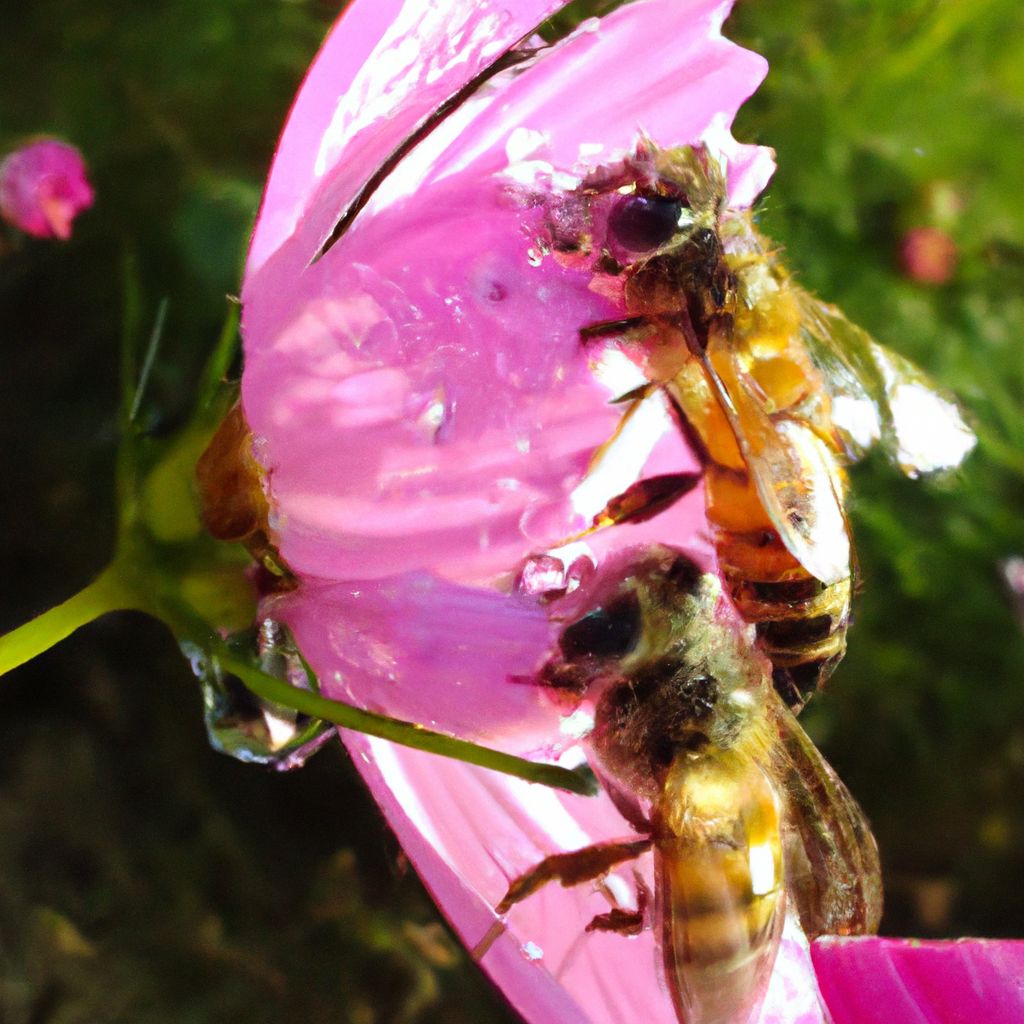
x=832 y=869
x=797 y=477
x=878 y=396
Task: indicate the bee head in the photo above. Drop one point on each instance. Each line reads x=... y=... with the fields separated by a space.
x=675 y=675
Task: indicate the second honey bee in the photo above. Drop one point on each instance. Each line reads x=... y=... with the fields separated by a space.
x=745 y=818
x=776 y=391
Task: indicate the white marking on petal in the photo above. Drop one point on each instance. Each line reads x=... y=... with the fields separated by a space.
x=620 y=464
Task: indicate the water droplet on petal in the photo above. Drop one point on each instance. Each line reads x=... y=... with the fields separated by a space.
x=541 y=575
x=245 y=726
x=556 y=573
x=531 y=951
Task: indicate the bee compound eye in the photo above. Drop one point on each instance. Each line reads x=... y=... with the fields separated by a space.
x=643 y=223
x=608 y=632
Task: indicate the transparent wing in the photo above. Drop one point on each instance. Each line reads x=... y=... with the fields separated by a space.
x=878 y=396
x=797 y=477
x=832 y=870
x=928 y=431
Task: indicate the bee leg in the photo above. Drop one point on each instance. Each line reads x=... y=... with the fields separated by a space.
x=625 y=922
x=622 y=922
x=646 y=498
x=572 y=868
x=612 y=328
x=690 y=433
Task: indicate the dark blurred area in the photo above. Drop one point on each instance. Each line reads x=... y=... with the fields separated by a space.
x=145 y=878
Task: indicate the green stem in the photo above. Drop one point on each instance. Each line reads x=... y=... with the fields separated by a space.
x=406 y=733
x=105 y=594
x=108 y=592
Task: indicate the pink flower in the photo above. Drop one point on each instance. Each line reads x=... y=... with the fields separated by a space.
x=428 y=423
x=427 y=419
x=43 y=187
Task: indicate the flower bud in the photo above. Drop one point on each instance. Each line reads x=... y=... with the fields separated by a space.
x=928 y=255
x=43 y=187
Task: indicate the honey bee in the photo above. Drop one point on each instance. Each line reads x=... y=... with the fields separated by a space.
x=742 y=813
x=777 y=392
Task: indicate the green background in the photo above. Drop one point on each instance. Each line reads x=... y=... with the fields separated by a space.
x=144 y=878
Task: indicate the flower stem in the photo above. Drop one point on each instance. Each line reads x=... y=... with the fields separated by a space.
x=407 y=733
x=106 y=593
x=109 y=592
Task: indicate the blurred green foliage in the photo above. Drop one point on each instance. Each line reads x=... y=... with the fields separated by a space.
x=143 y=878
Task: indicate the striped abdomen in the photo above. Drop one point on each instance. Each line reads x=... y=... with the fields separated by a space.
x=801 y=623
x=718 y=846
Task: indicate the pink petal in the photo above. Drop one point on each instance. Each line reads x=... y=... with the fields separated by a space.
x=410 y=420
x=470 y=832
x=916 y=982
x=590 y=98
x=385 y=66
x=458 y=659
x=43 y=187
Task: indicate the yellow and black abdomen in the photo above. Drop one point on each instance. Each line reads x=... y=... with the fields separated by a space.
x=801 y=623
x=718 y=848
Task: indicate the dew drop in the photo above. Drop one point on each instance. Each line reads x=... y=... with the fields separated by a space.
x=542 y=574
x=531 y=951
x=244 y=726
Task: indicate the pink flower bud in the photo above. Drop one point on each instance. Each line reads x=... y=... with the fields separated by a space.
x=928 y=255
x=43 y=187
